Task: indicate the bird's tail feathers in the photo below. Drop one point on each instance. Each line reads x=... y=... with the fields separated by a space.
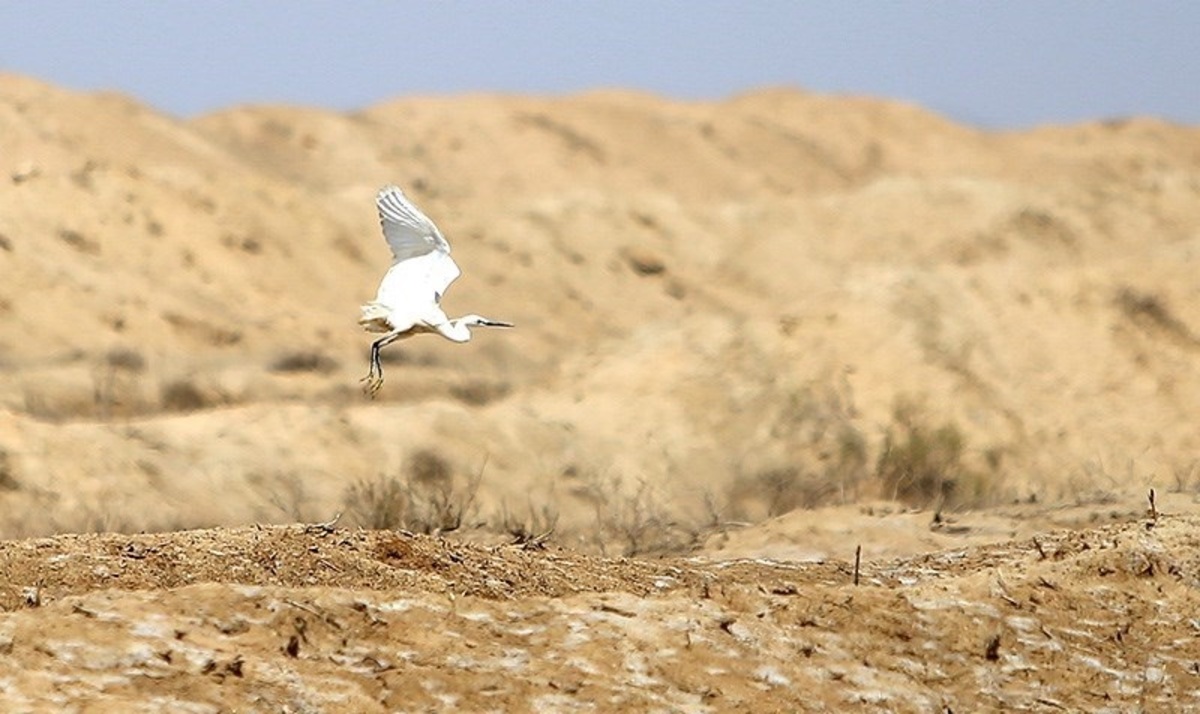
x=375 y=318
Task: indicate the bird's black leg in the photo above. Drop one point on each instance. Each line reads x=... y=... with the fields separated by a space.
x=374 y=379
x=376 y=365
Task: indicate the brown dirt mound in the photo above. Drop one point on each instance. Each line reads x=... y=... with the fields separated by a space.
x=313 y=556
x=320 y=620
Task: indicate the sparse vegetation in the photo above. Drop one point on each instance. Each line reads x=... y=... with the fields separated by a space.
x=125 y=359
x=8 y=474
x=427 y=499
x=183 y=395
x=1150 y=312
x=1185 y=476
x=479 y=392
x=824 y=456
x=305 y=361
x=635 y=523
x=537 y=526
x=286 y=493
x=115 y=382
x=79 y=242
x=925 y=466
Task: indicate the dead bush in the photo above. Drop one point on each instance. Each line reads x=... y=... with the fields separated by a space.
x=183 y=395
x=477 y=392
x=115 y=383
x=8 y=473
x=304 y=361
x=925 y=466
x=636 y=522
x=285 y=492
x=124 y=359
x=1185 y=476
x=535 y=527
x=813 y=454
x=426 y=499
x=381 y=504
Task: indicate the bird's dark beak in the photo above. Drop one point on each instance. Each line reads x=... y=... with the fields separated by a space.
x=495 y=323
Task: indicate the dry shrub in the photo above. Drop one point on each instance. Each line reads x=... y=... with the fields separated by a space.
x=925 y=466
x=788 y=488
x=818 y=455
x=8 y=473
x=115 y=383
x=304 y=361
x=1185 y=476
x=814 y=454
x=427 y=499
x=636 y=523
x=124 y=359
x=833 y=476
x=478 y=392
x=1150 y=312
x=535 y=527
x=79 y=241
x=183 y=395
x=381 y=504
x=284 y=491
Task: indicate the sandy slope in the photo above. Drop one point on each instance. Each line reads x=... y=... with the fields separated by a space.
x=706 y=294
x=726 y=311
x=289 y=619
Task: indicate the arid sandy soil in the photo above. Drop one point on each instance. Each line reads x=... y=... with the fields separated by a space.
x=752 y=335
x=289 y=619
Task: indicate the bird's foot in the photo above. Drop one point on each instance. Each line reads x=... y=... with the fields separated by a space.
x=371 y=384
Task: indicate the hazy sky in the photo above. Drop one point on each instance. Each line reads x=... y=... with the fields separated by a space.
x=1007 y=63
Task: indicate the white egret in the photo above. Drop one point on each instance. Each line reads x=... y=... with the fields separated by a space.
x=410 y=294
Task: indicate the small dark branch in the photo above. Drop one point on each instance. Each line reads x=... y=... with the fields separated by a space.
x=532 y=541
x=726 y=624
x=323 y=528
x=1153 y=507
x=992 y=651
x=857 y=562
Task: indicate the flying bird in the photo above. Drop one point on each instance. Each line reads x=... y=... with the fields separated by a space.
x=410 y=294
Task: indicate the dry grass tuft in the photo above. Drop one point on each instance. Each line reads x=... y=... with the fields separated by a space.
x=8 y=473
x=304 y=361
x=427 y=499
x=183 y=395
x=926 y=466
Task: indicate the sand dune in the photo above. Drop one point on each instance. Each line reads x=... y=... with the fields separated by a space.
x=704 y=293
x=778 y=326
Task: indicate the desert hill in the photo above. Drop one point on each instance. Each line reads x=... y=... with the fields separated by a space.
x=753 y=335
x=708 y=295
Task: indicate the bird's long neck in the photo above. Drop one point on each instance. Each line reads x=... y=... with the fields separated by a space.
x=456 y=330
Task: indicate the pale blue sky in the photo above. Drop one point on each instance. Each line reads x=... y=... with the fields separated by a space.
x=1005 y=64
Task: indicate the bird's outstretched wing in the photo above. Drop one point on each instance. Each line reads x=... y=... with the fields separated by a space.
x=409 y=232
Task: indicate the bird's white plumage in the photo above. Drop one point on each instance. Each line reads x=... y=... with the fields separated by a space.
x=422 y=268
x=409 y=232
x=409 y=297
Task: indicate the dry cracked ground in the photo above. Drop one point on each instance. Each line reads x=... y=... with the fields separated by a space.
x=319 y=619
x=754 y=336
